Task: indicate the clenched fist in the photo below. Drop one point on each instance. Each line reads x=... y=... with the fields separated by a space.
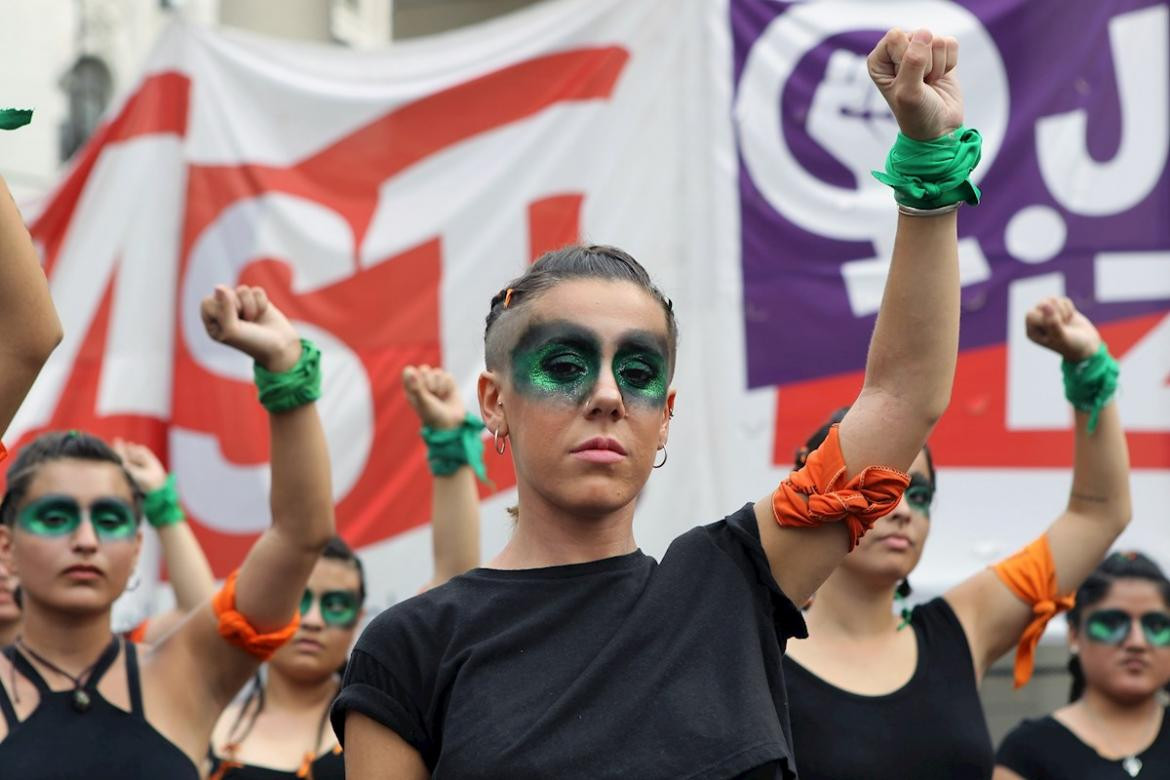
x=1056 y=324
x=244 y=318
x=915 y=73
x=433 y=396
x=142 y=464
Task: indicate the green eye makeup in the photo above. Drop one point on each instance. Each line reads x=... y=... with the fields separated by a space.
x=920 y=494
x=1112 y=626
x=563 y=361
x=112 y=518
x=339 y=608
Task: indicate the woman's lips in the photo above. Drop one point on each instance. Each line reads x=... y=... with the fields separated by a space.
x=83 y=572
x=600 y=449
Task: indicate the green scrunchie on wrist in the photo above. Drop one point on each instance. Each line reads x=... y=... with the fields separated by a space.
x=161 y=505
x=1089 y=384
x=934 y=174
x=300 y=385
x=448 y=449
x=12 y=118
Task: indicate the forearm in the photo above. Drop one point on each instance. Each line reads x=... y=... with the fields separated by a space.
x=455 y=524
x=911 y=363
x=187 y=567
x=1099 y=505
x=272 y=578
x=29 y=328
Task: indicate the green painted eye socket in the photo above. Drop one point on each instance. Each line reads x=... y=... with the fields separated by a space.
x=920 y=494
x=339 y=608
x=1112 y=626
x=565 y=367
x=48 y=516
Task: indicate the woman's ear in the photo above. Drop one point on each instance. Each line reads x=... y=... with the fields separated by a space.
x=491 y=403
x=667 y=416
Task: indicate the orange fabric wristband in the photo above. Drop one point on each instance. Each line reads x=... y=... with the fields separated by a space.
x=1031 y=575
x=3 y=452
x=236 y=629
x=818 y=492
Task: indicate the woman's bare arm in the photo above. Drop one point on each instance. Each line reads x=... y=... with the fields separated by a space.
x=29 y=328
x=911 y=362
x=1098 y=508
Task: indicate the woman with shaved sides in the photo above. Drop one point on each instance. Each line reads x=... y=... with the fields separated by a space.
x=574 y=655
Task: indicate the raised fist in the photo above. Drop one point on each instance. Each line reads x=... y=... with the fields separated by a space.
x=142 y=464
x=1056 y=324
x=433 y=396
x=916 y=75
x=244 y=318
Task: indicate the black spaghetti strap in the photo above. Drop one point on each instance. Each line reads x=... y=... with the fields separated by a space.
x=132 y=680
x=6 y=703
x=27 y=670
x=103 y=663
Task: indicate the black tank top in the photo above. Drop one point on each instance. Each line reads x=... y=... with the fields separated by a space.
x=932 y=727
x=56 y=742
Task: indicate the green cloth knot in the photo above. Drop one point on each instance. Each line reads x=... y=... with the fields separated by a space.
x=934 y=174
x=161 y=505
x=298 y=386
x=448 y=449
x=1089 y=384
x=12 y=118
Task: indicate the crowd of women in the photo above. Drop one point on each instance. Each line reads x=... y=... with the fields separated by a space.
x=766 y=644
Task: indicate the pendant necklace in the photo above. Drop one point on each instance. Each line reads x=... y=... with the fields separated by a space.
x=1131 y=763
x=82 y=701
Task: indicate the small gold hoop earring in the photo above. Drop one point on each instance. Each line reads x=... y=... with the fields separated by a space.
x=664 y=457
x=500 y=444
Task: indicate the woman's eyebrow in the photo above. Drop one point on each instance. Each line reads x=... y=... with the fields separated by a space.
x=646 y=340
x=564 y=331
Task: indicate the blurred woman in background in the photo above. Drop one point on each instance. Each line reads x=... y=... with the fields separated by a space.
x=1115 y=724
x=280 y=728
x=908 y=684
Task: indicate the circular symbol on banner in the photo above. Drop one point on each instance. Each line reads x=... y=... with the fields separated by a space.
x=843 y=118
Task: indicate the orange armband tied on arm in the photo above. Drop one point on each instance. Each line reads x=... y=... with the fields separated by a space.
x=818 y=493
x=1031 y=575
x=236 y=629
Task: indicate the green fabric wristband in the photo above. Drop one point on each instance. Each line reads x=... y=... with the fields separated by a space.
x=161 y=505
x=448 y=449
x=298 y=386
x=1091 y=383
x=934 y=174
x=12 y=118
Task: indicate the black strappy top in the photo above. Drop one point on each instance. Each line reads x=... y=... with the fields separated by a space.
x=56 y=742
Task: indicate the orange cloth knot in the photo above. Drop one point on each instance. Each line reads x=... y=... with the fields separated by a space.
x=137 y=635
x=1031 y=575
x=818 y=493
x=236 y=629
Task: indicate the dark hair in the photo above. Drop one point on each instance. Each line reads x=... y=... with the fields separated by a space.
x=59 y=445
x=594 y=261
x=1117 y=566
x=820 y=434
x=336 y=549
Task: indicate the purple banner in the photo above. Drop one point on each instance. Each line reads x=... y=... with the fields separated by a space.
x=1075 y=111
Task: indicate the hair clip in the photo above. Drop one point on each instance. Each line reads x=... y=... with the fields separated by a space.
x=508 y=297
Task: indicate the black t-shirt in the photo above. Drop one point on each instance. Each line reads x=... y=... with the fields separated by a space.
x=1044 y=749
x=618 y=668
x=930 y=728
